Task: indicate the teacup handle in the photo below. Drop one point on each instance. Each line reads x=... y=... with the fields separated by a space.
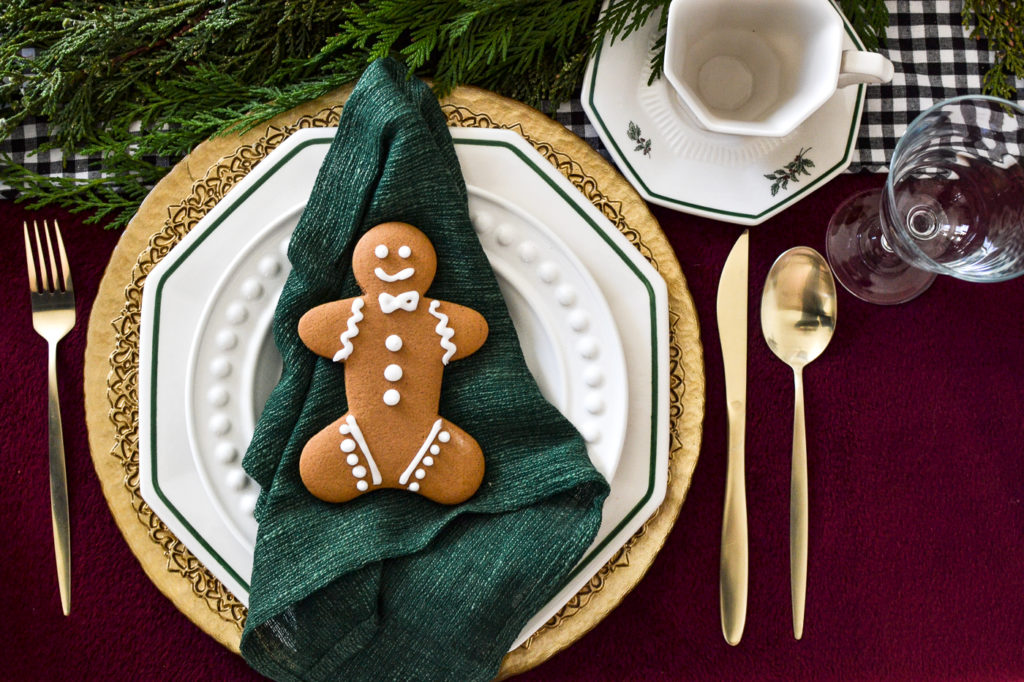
x=864 y=67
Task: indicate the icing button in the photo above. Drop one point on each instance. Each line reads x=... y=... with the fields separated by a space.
x=352 y=459
x=393 y=343
x=565 y=295
x=420 y=473
x=414 y=486
x=548 y=272
x=220 y=367
x=393 y=372
x=220 y=424
x=225 y=453
x=435 y=449
x=344 y=429
x=594 y=403
x=362 y=486
x=428 y=461
x=218 y=396
x=444 y=436
x=359 y=471
x=348 y=445
x=237 y=314
x=270 y=266
x=391 y=397
x=587 y=347
x=226 y=340
x=252 y=289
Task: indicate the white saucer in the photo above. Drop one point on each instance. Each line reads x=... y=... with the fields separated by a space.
x=590 y=310
x=657 y=144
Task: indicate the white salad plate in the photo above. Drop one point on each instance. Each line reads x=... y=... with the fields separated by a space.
x=590 y=312
x=657 y=144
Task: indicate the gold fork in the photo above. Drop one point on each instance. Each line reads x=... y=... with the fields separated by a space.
x=53 y=316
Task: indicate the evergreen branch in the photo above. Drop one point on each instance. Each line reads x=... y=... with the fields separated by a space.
x=869 y=19
x=134 y=81
x=96 y=195
x=999 y=23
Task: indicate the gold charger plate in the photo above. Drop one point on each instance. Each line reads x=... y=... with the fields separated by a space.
x=194 y=187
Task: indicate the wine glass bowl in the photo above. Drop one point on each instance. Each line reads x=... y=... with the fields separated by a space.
x=953 y=204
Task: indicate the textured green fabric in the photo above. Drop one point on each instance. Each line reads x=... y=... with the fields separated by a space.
x=391 y=585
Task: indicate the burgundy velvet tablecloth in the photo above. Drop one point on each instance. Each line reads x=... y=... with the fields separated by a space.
x=916 y=450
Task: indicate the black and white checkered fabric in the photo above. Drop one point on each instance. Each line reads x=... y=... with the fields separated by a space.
x=934 y=59
x=926 y=41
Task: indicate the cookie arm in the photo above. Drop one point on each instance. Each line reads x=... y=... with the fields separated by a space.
x=328 y=328
x=470 y=329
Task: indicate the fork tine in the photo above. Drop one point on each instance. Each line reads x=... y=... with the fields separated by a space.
x=43 y=275
x=65 y=270
x=33 y=280
x=54 y=277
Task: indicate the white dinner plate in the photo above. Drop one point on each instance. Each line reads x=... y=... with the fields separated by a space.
x=658 y=145
x=592 y=320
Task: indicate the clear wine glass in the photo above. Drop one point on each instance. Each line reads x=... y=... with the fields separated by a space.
x=953 y=204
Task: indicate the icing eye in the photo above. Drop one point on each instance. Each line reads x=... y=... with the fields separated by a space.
x=381 y=251
x=404 y=251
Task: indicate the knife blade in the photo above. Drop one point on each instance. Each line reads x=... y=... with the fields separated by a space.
x=732 y=332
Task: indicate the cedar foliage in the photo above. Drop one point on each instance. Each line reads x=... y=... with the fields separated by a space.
x=1000 y=22
x=136 y=84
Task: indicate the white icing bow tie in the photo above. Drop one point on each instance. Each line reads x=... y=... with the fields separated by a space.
x=407 y=300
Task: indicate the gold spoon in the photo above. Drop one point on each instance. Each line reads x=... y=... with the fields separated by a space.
x=798 y=316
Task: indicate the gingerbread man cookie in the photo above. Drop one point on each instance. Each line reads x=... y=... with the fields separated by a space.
x=395 y=343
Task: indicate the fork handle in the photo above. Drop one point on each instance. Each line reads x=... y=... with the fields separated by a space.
x=59 y=489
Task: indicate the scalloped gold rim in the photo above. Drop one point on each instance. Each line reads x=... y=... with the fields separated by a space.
x=182 y=199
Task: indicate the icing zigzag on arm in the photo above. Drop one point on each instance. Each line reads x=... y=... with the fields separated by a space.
x=353 y=330
x=444 y=331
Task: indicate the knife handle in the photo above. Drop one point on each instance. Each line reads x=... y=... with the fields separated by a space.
x=734 y=561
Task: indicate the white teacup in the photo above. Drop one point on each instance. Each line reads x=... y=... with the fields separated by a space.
x=761 y=67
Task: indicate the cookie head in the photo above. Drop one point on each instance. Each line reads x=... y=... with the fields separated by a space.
x=394 y=258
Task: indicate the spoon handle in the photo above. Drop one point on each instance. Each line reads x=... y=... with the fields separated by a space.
x=798 y=514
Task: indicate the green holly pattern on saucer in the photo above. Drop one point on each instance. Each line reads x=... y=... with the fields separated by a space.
x=791 y=171
x=643 y=144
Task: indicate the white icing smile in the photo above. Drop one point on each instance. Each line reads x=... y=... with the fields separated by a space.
x=397 y=277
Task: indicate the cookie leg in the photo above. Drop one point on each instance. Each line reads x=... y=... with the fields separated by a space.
x=336 y=464
x=449 y=465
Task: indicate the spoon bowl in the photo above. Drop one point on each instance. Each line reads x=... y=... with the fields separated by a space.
x=798 y=307
x=798 y=318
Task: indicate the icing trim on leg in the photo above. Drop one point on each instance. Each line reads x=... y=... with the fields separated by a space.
x=404 y=478
x=358 y=436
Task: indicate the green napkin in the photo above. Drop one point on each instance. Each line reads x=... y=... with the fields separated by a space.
x=391 y=585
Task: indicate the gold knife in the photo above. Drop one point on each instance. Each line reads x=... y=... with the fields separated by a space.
x=732 y=332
